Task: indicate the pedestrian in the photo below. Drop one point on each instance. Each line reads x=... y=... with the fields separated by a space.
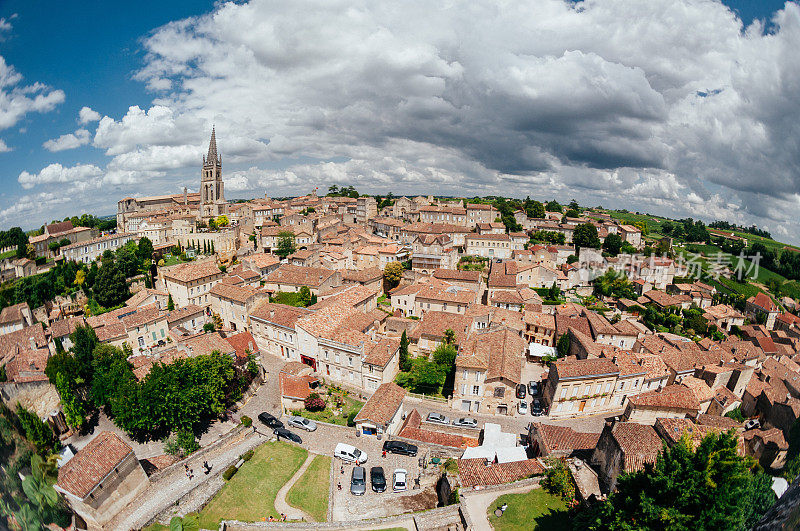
x=384 y=454
x=271 y=519
x=283 y=517
x=339 y=486
x=342 y=469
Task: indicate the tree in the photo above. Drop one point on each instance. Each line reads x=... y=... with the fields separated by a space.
x=80 y=277
x=84 y=340
x=405 y=361
x=553 y=206
x=74 y=410
x=170 y=303
x=449 y=337
x=563 y=345
x=36 y=430
x=612 y=244
x=711 y=487
x=110 y=287
x=222 y=221
x=425 y=377
x=393 y=273
x=305 y=296
x=145 y=249
x=585 y=235
x=536 y=210
x=286 y=243
x=554 y=292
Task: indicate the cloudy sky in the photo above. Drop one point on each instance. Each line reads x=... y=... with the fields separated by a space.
x=676 y=107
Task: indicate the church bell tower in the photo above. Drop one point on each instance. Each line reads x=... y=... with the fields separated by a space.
x=212 y=189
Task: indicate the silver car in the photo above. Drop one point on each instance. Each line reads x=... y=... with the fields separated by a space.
x=302 y=423
x=358 y=481
x=465 y=422
x=437 y=418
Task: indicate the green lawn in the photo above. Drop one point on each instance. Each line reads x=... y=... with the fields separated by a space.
x=289 y=298
x=351 y=405
x=536 y=509
x=310 y=493
x=250 y=494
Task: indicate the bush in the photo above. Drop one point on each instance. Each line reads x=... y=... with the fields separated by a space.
x=228 y=474
x=558 y=481
x=247 y=455
x=246 y=421
x=351 y=418
x=314 y=402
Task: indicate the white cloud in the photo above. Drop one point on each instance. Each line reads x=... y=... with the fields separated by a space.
x=88 y=115
x=17 y=100
x=20 y=211
x=671 y=104
x=79 y=138
x=4 y=147
x=80 y=176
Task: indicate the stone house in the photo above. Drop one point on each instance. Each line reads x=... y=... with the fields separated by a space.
x=672 y=401
x=101 y=480
x=190 y=283
x=624 y=447
x=383 y=411
x=580 y=387
x=234 y=303
x=291 y=278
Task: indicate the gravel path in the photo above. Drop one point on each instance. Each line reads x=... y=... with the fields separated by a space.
x=282 y=506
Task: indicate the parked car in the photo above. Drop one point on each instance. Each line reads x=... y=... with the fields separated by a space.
x=533 y=388
x=302 y=423
x=537 y=408
x=358 y=481
x=438 y=418
x=400 y=476
x=752 y=424
x=465 y=422
x=522 y=407
x=377 y=478
x=521 y=392
x=270 y=420
x=349 y=453
x=288 y=435
x=400 y=447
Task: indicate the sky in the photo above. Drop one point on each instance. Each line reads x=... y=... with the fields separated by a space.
x=673 y=107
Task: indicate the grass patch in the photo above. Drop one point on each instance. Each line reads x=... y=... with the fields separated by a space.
x=156 y=527
x=310 y=493
x=250 y=494
x=290 y=298
x=537 y=509
x=351 y=407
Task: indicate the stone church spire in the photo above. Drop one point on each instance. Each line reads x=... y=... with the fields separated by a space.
x=212 y=148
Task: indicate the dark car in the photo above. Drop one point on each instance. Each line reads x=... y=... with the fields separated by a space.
x=358 y=481
x=537 y=408
x=377 y=478
x=533 y=388
x=521 y=391
x=270 y=420
x=400 y=447
x=288 y=435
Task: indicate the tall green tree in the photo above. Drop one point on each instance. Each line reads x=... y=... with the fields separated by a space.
x=405 y=361
x=110 y=288
x=74 y=410
x=585 y=235
x=286 y=243
x=612 y=244
x=709 y=488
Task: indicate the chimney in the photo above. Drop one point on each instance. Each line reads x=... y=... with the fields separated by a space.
x=271 y=314
x=32 y=343
x=185 y=196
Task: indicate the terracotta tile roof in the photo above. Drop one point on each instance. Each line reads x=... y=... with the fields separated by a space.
x=27 y=365
x=411 y=429
x=206 y=344
x=499 y=352
x=772 y=436
x=57 y=228
x=762 y=300
x=382 y=351
x=565 y=439
x=475 y=472
x=294 y=275
x=506 y=297
x=544 y=320
x=12 y=314
x=239 y=294
x=192 y=271
x=575 y=369
x=382 y=405
x=654 y=365
x=140 y=296
x=673 y=429
x=362 y=276
x=670 y=397
x=142 y=315
x=65 y=327
x=279 y=314
x=599 y=324
x=293 y=386
x=346 y=295
x=455 y=274
x=717 y=421
x=261 y=260
x=564 y=323
x=184 y=312
x=447 y=293
x=243 y=342
x=81 y=474
x=639 y=443
x=25 y=338
x=699 y=387
x=434 y=324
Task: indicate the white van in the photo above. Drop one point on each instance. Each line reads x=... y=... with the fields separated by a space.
x=350 y=453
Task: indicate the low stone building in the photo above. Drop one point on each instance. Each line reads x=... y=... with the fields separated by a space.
x=383 y=412
x=624 y=447
x=101 y=480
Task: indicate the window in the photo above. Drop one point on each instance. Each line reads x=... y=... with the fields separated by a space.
x=350 y=361
x=336 y=357
x=599 y=388
x=465 y=374
x=499 y=392
x=608 y=387
x=621 y=386
x=563 y=392
x=476 y=389
x=635 y=383
x=575 y=390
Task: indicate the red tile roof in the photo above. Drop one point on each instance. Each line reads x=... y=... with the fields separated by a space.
x=476 y=473
x=639 y=443
x=383 y=404
x=81 y=474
